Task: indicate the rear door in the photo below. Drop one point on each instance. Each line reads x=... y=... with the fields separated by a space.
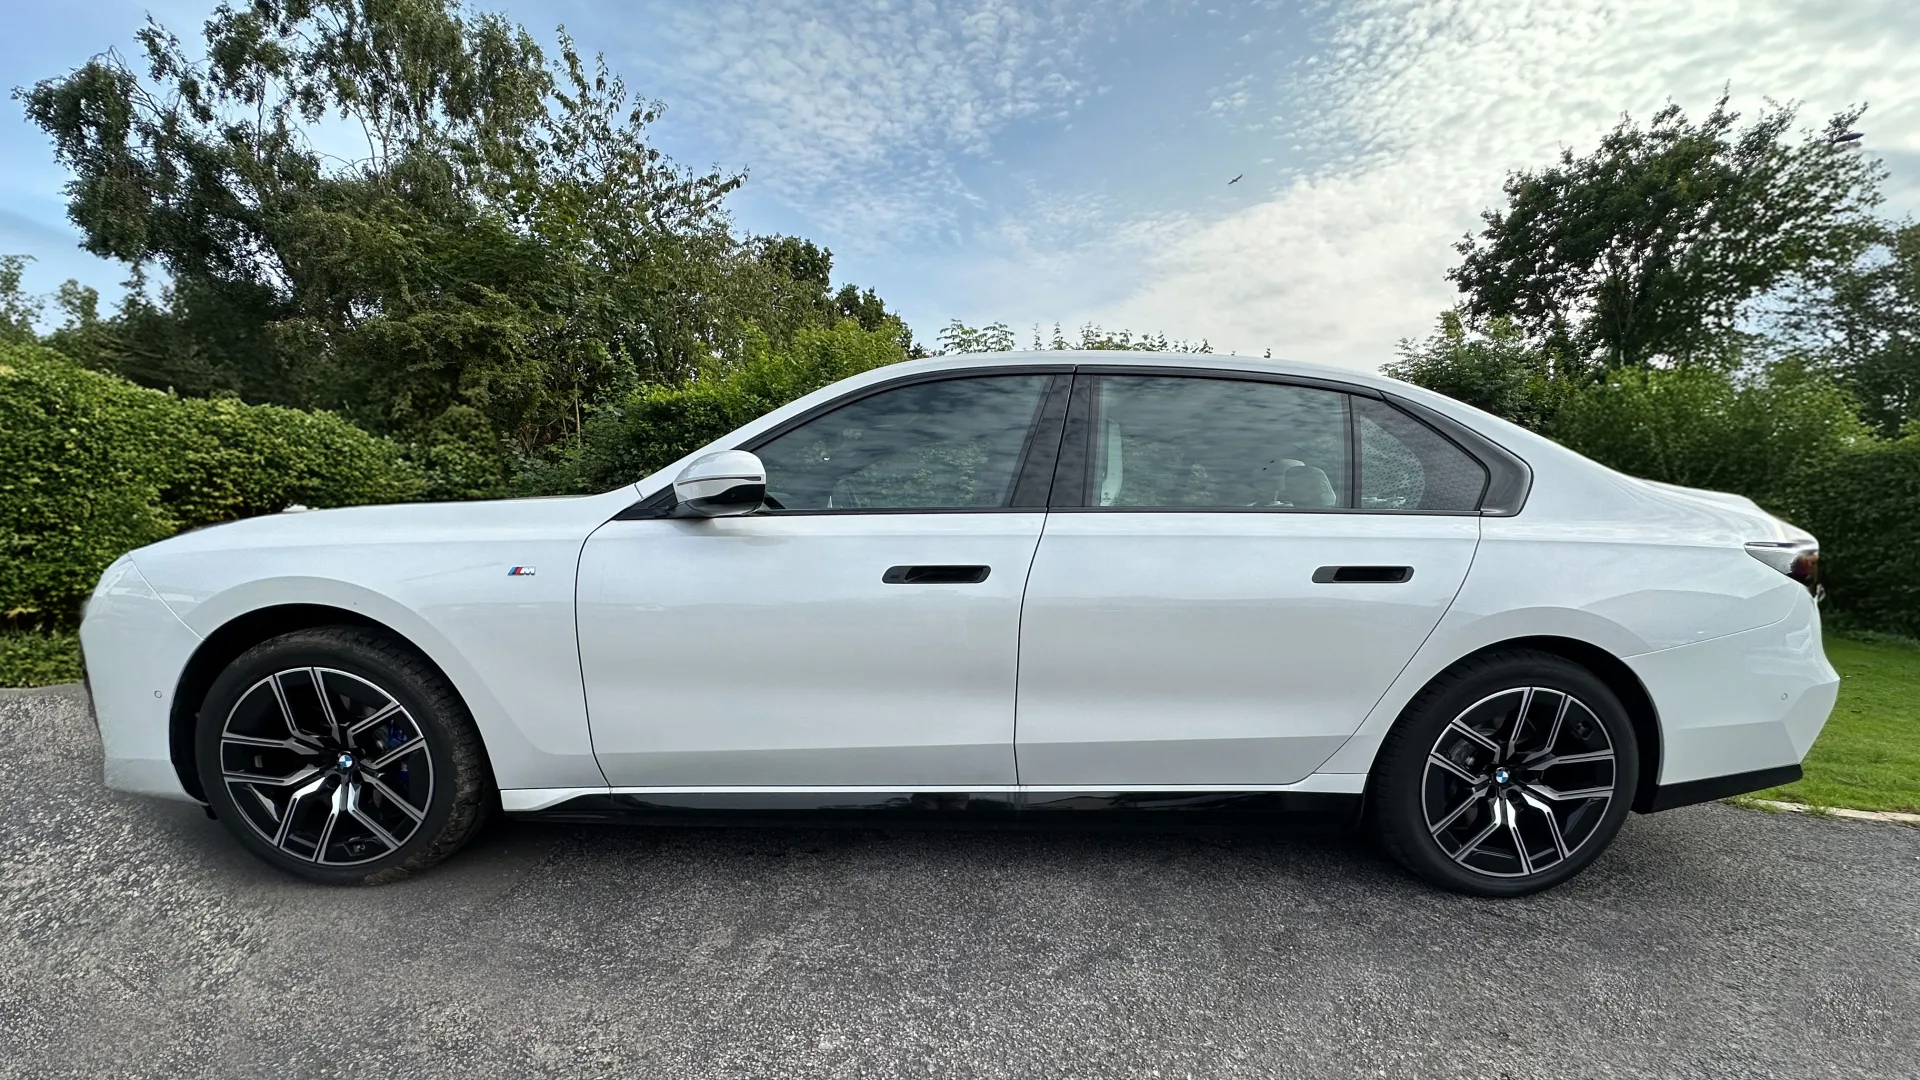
x=1233 y=571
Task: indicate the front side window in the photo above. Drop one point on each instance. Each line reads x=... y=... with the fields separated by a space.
x=1167 y=442
x=1405 y=465
x=947 y=445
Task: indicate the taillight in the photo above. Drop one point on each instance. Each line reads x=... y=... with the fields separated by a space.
x=1798 y=559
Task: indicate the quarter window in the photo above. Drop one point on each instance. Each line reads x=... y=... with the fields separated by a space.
x=947 y=445
x=1405 y=465
x=1164 y=442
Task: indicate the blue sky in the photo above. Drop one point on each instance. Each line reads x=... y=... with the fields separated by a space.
x=1042 y=160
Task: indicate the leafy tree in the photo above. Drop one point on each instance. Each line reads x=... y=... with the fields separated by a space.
x=1650 y=248
x=1494 y=369
x=18 y=310
x=1865 y=327
x=958 y=337
x=507 y=243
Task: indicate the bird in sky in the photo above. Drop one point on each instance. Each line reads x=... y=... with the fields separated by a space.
x=1235 y=180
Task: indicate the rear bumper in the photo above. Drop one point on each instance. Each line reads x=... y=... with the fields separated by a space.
x=1738 y=713
x=1668 y=796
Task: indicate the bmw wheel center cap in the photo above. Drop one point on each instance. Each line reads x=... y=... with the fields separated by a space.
x=345 y=761
x=1500 y=775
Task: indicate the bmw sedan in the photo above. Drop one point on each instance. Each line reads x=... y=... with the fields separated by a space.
x=1023 y=586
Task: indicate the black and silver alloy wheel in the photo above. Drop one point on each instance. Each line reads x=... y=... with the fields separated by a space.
x=342 y=755
x=1518 y=781
x=1507 y=774
x=326 y=766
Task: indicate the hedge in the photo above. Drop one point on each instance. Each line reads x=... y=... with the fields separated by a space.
x=92 y=466
x=1864 y=506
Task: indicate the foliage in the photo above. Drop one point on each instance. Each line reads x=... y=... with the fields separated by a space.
x=92 y=466
x=1651 y=247
x=39 y=658
x=18 y=311
x=508 y=245
x=1864 y=505
x=1492 y=369
x=958 y=337
x=1755 y=433
x=657 y=425
x=1865 y=327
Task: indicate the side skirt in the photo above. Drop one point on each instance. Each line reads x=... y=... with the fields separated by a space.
x=965 y=810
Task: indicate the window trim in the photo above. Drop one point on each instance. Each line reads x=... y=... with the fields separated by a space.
x=1509 y=479
x=1033 y=475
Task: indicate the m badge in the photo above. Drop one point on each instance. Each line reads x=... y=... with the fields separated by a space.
x=520 y=571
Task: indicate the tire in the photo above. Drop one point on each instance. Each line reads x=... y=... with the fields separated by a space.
x=378 y=780
x=1508 y=774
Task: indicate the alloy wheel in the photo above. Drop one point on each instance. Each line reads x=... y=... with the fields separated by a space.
x=1518 y=782
x=326 y=766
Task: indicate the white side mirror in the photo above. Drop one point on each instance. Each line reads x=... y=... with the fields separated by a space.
x=727 y=483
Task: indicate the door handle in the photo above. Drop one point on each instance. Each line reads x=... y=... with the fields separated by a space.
x=1383 y=575
x=936 y=575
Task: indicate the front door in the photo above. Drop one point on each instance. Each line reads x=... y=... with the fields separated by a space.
x=860 y=632
x=1225 y=594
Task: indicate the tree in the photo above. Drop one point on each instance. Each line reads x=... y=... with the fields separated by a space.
x=1650 y=248
x=1493 y=369
x=507 y=243
x=19 y=312
x=958 y=337
x=1865 y=328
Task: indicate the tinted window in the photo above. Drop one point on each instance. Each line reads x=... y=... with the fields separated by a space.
x=934 y=445
x=1405 y=465
x=1188 y=442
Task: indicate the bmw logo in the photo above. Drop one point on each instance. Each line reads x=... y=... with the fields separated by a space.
x=345 y=761
x=1500 y=775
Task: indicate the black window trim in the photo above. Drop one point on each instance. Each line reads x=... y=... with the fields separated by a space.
x=1034 y=474
x=1509 y=479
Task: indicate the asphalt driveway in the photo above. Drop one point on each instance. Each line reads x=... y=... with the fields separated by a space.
x=137 y=940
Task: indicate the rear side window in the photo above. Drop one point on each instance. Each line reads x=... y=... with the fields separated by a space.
x=1186 y=442
x=1406 y=465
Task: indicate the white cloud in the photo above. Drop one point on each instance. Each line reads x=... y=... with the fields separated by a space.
x=1416 y=110
x=859 y=110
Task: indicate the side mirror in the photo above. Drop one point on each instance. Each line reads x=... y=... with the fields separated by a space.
x=727 y=483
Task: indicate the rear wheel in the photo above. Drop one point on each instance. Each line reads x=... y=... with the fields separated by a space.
x=1507 y=775
x=340 y=755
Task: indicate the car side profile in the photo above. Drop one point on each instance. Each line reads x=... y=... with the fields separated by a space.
x=973 y=587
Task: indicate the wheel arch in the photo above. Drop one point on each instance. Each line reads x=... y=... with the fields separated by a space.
x=235 y=636
x=1608 y=668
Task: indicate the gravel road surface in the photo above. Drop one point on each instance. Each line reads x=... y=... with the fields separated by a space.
x=137 y=940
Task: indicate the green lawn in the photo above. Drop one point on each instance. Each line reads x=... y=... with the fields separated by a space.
x=1868 y=758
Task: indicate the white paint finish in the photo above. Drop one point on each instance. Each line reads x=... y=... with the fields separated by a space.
x=1195 y=648
x=438 y=576
x=1634 y=568
x=767 y=650
x=1747 y=701
x=136 y=649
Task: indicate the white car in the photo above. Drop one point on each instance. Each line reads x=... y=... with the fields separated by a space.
x=1029 y=585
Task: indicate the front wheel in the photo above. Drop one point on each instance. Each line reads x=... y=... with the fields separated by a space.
x=342 y=756
x=1509 y=774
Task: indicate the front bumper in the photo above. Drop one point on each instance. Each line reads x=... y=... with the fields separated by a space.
x=134 y=649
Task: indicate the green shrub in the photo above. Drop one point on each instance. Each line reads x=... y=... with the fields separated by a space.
x=36 y=658
x=1865 y=508
x=92 y=466
x=657 y=425
x=1706 y=428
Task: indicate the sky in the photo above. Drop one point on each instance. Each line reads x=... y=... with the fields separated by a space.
x=1042 y=161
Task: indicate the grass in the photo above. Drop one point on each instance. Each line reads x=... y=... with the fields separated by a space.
x=1868 y=757
x=37 y=658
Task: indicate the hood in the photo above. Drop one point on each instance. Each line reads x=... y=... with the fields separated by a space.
x=404 y=523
